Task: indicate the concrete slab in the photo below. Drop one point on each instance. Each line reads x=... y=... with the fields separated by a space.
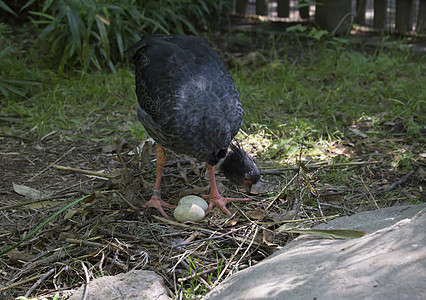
x=387 y=263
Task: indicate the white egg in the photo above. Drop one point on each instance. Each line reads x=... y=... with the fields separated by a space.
x=195 y=200
x=188 y=212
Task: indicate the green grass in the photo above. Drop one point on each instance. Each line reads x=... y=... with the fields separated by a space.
x=301 y=99
x=194 y=288
x=93 y=106
x=317 y=95
x=332 y=82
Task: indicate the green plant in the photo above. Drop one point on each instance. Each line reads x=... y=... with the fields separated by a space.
x=303 y=30
x=205 y=14
x=94 y=34
x=13 y=71
x=5 y=7
x=89 y=34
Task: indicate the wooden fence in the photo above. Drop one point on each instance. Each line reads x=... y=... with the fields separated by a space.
x=390 y=15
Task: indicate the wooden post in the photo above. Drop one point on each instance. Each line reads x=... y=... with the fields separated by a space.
x=404 y=15
x=360 y=12
x=379 y=21
x=241 y=7
x=421 y=17
x=262 y=7
x=334 y=16
x=304 y=9
x=283 y=8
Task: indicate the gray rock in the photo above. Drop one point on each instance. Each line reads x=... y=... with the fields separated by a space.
x=134 y=285
x=389 y=262
x=370 y=221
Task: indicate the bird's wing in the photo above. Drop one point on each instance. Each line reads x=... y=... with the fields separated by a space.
x=188 y=100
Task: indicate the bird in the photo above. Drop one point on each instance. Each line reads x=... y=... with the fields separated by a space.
x=188 y=103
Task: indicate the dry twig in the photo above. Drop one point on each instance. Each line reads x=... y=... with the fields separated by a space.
x=38 y=282
x=389 y=188
x=85 y=172
x=318 y=165
x=49 y=166
x=86 y=273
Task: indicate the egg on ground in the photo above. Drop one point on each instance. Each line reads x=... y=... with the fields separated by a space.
x=194 y=200
x=188 y=212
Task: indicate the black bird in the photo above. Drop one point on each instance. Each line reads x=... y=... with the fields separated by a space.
x=188 y=103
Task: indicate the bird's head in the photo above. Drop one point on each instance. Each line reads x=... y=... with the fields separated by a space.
x=240 y=168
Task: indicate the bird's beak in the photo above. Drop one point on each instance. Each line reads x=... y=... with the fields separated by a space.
x=247 y=185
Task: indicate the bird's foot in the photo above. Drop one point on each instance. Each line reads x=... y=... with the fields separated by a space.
x=157 y=203
x=221 y=203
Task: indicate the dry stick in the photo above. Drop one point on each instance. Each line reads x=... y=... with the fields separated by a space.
x=197 y=274
x=110 y=246
x=202 y=276
x=400 y=181
x=202 y=229
x=20 y=283
x=86 y=290
x=298 y=202
x=49 y=166
x=249 y=246
x=174 y=282
x=186 y=265
x=230 y=261
x=392 y=186
x=182 y=256
x=38 y=282
x=129 y=236
x=223 y=256
x=282 y=191
x=85 y=172
x=337 y=207
x=213 y=236
x=317 y=166
x=128 y=202
x=371 y=195
x=101 y=263
x=55 y=196
x=182 y=225
x=319 y=205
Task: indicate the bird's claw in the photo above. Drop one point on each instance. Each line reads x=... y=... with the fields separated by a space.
x=221 y=203
x=157 y=203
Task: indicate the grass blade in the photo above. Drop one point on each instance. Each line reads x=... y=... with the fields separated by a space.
x=74 y=22
x=7 y=8
x=5 y=51
x=104 y=36
x=35 y=230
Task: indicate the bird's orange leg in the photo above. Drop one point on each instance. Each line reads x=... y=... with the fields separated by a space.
x=215 y=198
x=156 y=192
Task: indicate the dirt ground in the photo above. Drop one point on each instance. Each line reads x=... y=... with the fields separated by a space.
x=109 y=232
